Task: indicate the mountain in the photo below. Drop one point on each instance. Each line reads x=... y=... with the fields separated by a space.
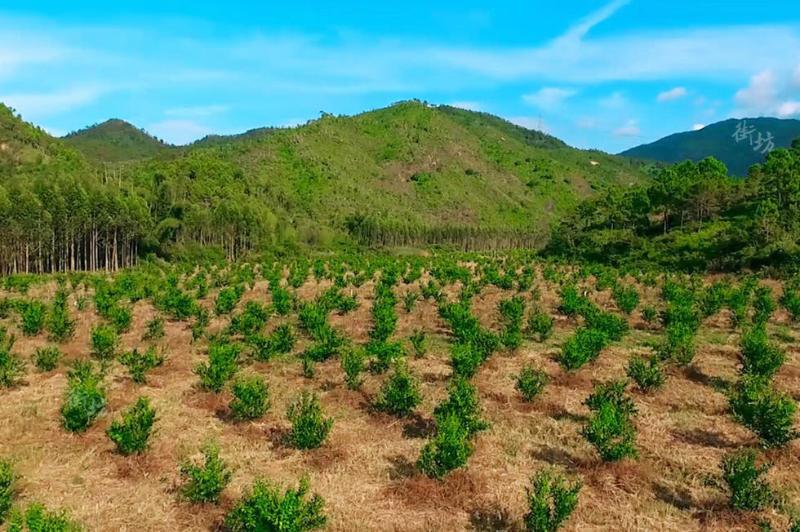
x=720 y=140
x=115 y=141
x=407 y=175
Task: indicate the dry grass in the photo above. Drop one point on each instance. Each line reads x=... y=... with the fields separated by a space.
x=365 y=471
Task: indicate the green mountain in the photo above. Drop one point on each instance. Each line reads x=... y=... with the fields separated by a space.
x=115 y=141
x=720 y=140
x=407 y=175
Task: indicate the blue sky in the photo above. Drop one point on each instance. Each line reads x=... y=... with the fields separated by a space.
x=607 y=74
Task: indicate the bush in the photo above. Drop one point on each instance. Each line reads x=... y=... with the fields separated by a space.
x=540 y=325
x=227 y=299
x=280 y=341
x=465 y=360
x=419 y=342
x=758 y=355
x=551 y=500
x=582 y=348
x=204 y=483
x=679 y=344
x=281 y=300
x=614 y=327
x=626 y=298
x=131 y=433
x=353 y=360
x=449 y=449
x=462 y=402
x=265 y=508
x=154 y=329
x=251 y=320
x=12 y=367
x=746 y=485
x=400 y=394
x=383 y=354
x=531 y=382
x=512 y=312
x=410 y=300
x=120 y=317
x=104 y=342
x=8 y=488
x=309 y=426
x=764 y=410
x=46 y=358
x=222 y=365
x=649 y=315
x=33 y=317
x=791 y=302
x=646 y=372
x=59 y=324
x=250 y=398
x=85 y=398
x=139 y=363
x=763 y=304
x=572 y=303
x=610 y=428
x=37 y=518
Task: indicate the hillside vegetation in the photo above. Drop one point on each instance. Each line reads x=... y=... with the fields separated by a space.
x=115 y=141
x=718 y=141
x=410 y=174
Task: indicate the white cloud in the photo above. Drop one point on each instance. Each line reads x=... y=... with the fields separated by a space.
x=615 y=100
x=586 y=123
x=789 y=109
x=469 y=106
x=548 y=97
x=698 y=127
x=196 y=112
x=630 y=129
x=38 y=105
x=672 y=94
x=179 y=131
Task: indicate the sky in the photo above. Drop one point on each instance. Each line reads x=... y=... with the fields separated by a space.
x=607 y=74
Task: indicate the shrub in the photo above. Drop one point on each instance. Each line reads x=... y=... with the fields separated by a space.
x=763 y=304
x=383 y=354
x=612 y=326
x=646 y=372
x=46 y=358
x=649 y=315
x=120 y=317
x=419 y=342
x=85 y=398
x=758 y=355
x=626 y=298
x=582 y=348
x=227 y=299
x=400 y=394
x=154 y=329
x=250 y=398
x=280 y=341
x=37 y=518
x=531 y=382
x=12 y=367
x=540 y=325
x=222 y=365
x=353 y=361
x=449 y=449
x=746 y=485
x=104 y=342
x=764 y=410
x=139 y=363
x=204 y=483
x=465 y=359
x=791 y=302
x=281 y=300
x=572 y=303
x=679 y=344
x=410 y=300
x=8 y=488
x=551 y=500
x=251 y=320
x=610 y=428
x=462 y=401
x=131 y=433
x=265 y=508
x=512 y=312
x=59 y=324
x=33 y=317
x=309 y=426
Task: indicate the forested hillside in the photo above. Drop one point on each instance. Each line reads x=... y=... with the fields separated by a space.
x=693 y=216
x=115 y=141
x=739 y=144
x=410 y=174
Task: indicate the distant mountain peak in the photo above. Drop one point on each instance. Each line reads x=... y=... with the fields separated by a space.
x=738 y=142
x=115 y=140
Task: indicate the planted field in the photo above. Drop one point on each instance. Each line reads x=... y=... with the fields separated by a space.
x=372 y=393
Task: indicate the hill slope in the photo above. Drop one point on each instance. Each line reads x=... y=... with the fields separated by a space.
x=115 y=141
x=719 y=140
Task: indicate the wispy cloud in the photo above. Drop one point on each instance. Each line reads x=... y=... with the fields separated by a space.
x=769 y=92
x=548 y=97
x=38 y=105
x=673 y=94
x=630 y=129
